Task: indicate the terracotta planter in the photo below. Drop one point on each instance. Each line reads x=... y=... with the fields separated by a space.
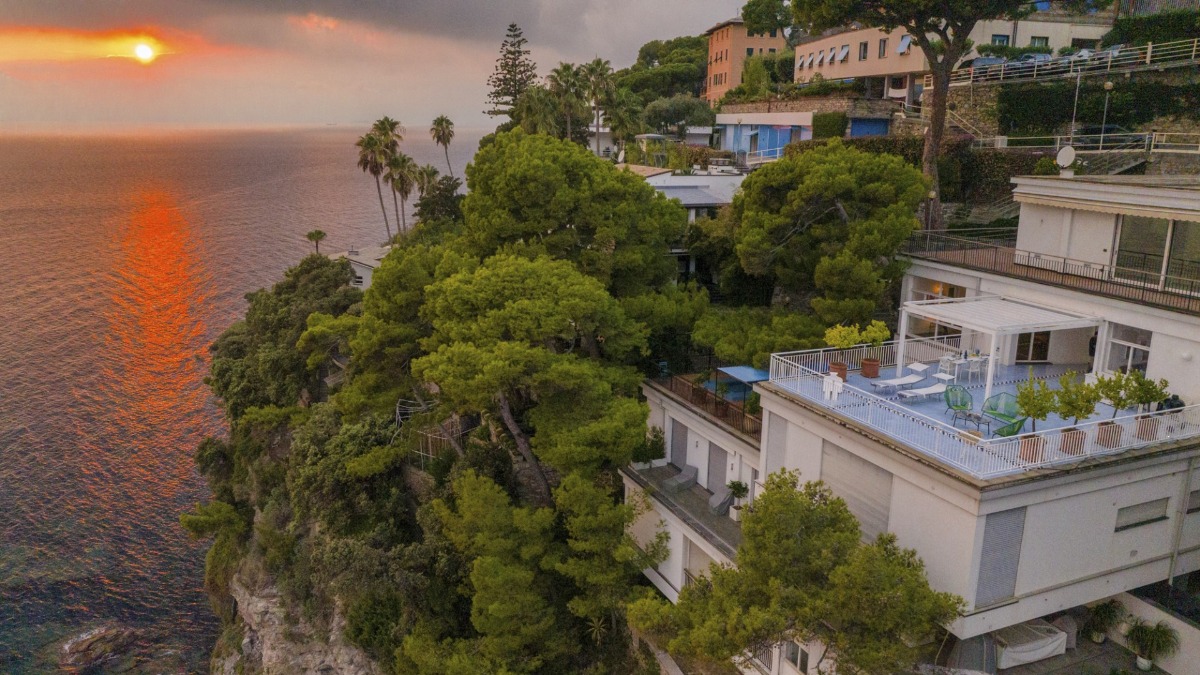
x=1144 y=664
x=838 y=368
x=1031 y=448
x=1072 y=441
x=1147 y=428
x=870 y=367
x=1109 y=434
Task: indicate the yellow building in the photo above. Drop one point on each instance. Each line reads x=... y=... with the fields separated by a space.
x=728 y=46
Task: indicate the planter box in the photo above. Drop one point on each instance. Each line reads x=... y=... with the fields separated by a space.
x=1147 y=428
x=1032 y=448
x=870 y=368
x=839 y=369
x=1109 y=434
x=1073 y=441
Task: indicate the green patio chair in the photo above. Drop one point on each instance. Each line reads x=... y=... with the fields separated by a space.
x=1011 y=429
x=958 y=399
x=1003 y=407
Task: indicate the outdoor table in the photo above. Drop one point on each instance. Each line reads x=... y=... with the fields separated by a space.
x=974 y=418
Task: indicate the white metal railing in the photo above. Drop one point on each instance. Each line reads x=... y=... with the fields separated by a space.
x=1089 y=143
x=915 y=349
x=762 y=156
x=987 y=458
x=1124 y=59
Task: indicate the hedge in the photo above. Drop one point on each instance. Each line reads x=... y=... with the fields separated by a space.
x=1163 y=27
x=1132 y=102
x=829 y=125
x=977 y=176
x=1009 y=51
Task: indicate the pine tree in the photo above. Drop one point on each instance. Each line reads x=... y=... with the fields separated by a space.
x=514 y=73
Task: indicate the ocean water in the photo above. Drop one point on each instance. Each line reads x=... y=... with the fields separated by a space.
x=122 y=257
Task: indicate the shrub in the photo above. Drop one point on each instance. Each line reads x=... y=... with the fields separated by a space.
x=1009 y=51
x=1156 y=28
x=1046 y=166
x=830 y=125
x=1132 y=102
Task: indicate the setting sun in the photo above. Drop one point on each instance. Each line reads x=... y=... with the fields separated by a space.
x=144 y=52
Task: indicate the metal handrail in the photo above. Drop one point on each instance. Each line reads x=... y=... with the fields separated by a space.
x=1144 y=285
x=1128 y=59
x=732 y=414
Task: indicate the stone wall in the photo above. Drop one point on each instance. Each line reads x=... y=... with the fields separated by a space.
x=976 y=106
x=861 y=107
x=1173 y=164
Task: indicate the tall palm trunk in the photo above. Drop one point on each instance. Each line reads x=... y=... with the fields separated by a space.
x=396 y=208
x=404 y=215
x=597 y=130
x=449 y=168
x=386 y=224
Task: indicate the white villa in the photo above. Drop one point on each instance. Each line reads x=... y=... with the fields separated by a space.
x=364 y=261
x=1029 y=527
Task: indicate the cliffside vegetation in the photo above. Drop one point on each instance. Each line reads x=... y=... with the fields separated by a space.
x=486 y=532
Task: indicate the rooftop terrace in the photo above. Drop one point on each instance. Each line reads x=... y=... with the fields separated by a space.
x=922 y=423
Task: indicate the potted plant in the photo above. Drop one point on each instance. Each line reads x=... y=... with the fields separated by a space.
x=1150 y=642
x=1036 y=401
x=841 y=337
x=1142 y=393
x=1103 y=618
x=1076 y=400
x=874 y=334
x=740 y=491
x=1113 y=388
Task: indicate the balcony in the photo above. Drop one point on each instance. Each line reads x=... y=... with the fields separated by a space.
x=1132 y=281
x=922 y=425
x=690 y=506
x=727 y=411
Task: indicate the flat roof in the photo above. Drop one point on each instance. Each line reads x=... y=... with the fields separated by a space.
x=1176 y=197
x=745 y=374
x=644 y=171
x=998 y=315
x=368 y=256
x=691 y=195
x=1191 y=183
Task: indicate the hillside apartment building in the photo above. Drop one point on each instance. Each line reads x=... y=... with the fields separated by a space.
x=892 y=64
x=728 y=46
x=1103 y=274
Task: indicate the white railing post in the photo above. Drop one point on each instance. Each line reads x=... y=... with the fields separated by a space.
x=1149 y=52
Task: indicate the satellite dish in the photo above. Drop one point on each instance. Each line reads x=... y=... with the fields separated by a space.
x=1066 y=157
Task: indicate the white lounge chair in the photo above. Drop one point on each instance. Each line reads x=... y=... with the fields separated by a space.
x=931 y=390
x=906 y=381
x=684 y=480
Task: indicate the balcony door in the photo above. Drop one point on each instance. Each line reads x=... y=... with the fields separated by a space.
x=1033 y=347
x=1158 y=252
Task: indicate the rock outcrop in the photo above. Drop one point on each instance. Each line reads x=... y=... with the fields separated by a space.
x=273 y=643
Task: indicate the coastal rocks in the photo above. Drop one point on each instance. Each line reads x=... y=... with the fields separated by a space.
x=274 y=643
x=113 y=648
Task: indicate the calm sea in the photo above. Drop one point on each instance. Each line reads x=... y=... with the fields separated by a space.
x=121 y=258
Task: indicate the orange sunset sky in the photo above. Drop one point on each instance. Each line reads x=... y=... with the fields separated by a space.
x=245 y=62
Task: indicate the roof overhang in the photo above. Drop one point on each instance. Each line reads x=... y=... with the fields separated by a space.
x=1158 y=197
x=794 y=119
x=998 y=315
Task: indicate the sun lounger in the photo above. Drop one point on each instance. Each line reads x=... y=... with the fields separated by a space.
x=906 y=381
x=926 y=391
x=685 y=480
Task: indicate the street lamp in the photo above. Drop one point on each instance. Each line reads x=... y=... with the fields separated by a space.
x=1108 y=87
x=929 y=210
x=1074 y=110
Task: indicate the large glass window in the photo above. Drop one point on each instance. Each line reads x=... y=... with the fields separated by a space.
x=1184 y=260
x=1128 y=349
x=1141 y=247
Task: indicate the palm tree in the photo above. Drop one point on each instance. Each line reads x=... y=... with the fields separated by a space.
x=372 y=157
x=391 y=134
x=598 y=82
x=537 y=111
x=624 y=114
x=567 y=84
x=425 y=177
x=316 y=237
x=442 y=132
x=401 y=176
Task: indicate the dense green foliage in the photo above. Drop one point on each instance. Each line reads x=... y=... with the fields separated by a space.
x=1010 y=51
x=1157 y=28
x=829 y=125
x=803 y=574
x=521 y=322
x=675 y=114
x=515 y=72
x=666 y=68
x=1133 y=101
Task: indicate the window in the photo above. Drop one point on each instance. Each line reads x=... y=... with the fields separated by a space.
x=843 y=53
x=357 y=282
x=905 y=43
x=883 y=48
x=749 y=51
x=1142 y=514
x=771 y=50
x=1084 y=43
x=1193 y=501
x=1159 y=252
x=1000 y=556
x=774 y=31
x=1039 y=41
x=1128 y=349
x=897 y=82
x=763 y=656
x=793 y=654
x=863 y=48
x=1000 y=40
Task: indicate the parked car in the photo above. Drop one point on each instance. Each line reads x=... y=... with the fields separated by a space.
x=1089 y=136
x=1025 y=64
x=982 y=67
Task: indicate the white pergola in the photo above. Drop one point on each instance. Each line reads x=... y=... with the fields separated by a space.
x=991 y=315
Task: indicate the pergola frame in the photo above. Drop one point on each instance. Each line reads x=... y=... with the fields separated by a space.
x=991 y=315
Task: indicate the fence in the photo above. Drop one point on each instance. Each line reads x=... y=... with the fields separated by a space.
x=732 y=414
x=986 y=458
x=915 y=349
x=1126 y=59
x=1092 y=143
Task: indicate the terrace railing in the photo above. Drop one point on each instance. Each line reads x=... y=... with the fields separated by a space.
x=1145 y=285
x=732 y=414
x=915 y=349
x=979 y=457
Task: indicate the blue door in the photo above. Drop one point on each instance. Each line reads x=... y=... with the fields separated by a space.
x=865 y=127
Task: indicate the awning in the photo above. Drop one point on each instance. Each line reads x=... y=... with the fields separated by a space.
x=843 y=52
x=905 y=43
x=820 y=58
x=998 y=315
x=809 y=62
x=745 y=374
